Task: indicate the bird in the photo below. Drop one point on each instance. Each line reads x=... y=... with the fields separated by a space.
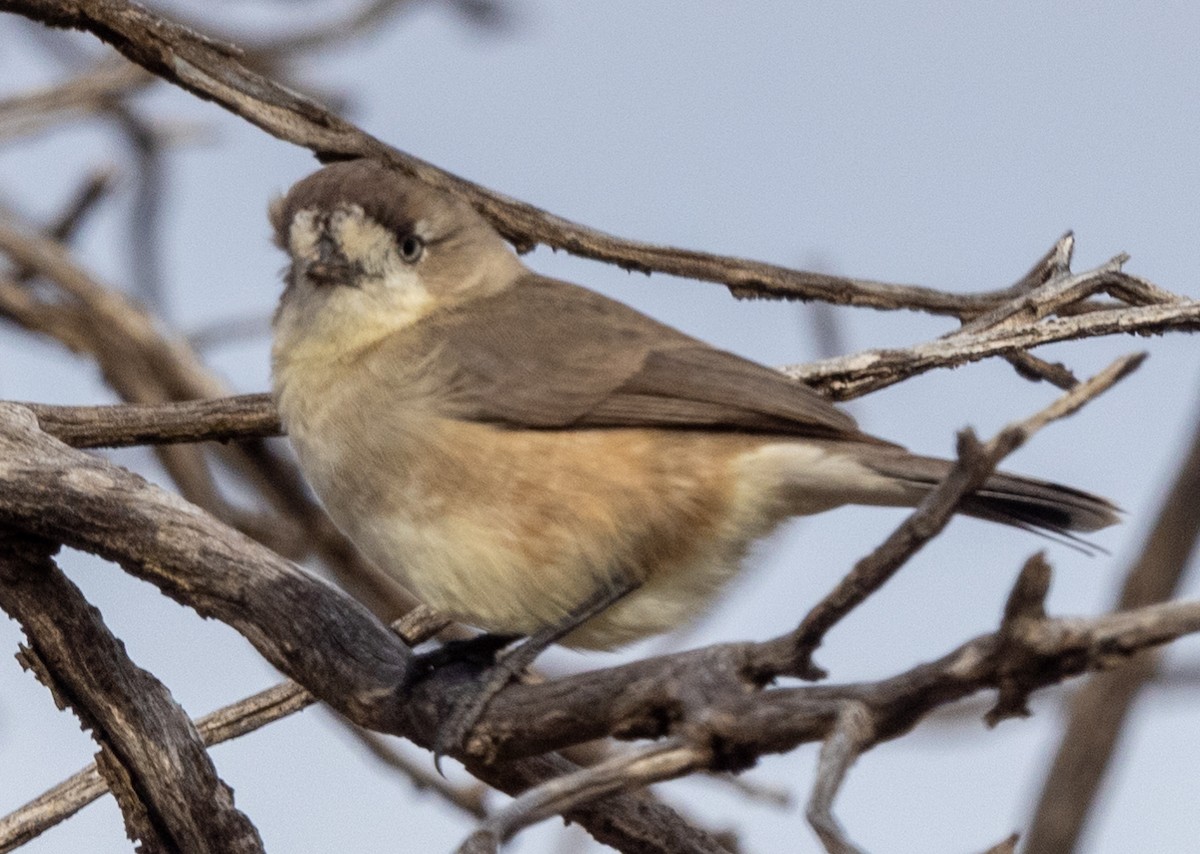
x=535 y=459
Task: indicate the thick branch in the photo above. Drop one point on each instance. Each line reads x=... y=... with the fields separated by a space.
x=152 y=757
x=305 y=627
x=237 y=719
x=339 y=651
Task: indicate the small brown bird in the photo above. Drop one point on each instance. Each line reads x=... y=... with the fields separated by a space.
x=529 y=456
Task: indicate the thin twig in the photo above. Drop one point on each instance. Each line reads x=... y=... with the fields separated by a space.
x=90 y=193
x=234 y=330
x=773 y=795
x=840 y=750
x=870 y=370
x=94 y=188
x=1033 y=368
x=1005 y=846
x=145 y=252
x=469 y=800
x=635 y=769
x=1045 y=299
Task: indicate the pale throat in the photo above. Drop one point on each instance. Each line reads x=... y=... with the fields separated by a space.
x=320 y=327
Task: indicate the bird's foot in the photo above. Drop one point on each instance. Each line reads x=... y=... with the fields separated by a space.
x=471 y=701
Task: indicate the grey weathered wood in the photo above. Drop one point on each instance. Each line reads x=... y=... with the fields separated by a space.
x=153 y=759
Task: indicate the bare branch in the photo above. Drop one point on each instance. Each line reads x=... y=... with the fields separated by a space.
x=51 y=807
x=214 y=71
x=1100 y=708
x=89 y=194
x=223 y=419
x=668 y=760
x=851 y=733
x=334 y=647
x=860 y=373
x=237 y=719
x=152 y=757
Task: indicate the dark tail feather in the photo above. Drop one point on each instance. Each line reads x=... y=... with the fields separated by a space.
x=1022 y=502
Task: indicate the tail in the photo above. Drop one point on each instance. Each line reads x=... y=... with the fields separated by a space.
x=1022 y=502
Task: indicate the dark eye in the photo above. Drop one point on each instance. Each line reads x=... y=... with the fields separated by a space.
x=411 y=248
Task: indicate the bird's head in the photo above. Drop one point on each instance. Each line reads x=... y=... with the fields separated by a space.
x=373 y=251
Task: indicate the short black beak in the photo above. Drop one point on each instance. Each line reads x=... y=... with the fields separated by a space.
x=331 y=268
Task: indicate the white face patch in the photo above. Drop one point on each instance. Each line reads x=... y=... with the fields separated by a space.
x=302 y=236
x=387 y=295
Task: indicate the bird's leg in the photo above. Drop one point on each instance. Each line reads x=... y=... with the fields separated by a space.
x=469 y=708
x=481 y=649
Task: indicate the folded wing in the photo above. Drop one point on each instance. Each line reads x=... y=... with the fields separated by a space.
x=547 y=354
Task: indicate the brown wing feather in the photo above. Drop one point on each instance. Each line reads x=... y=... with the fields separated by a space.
x=547 y=354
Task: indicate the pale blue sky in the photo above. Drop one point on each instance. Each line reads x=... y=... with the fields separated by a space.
x=941 y=144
